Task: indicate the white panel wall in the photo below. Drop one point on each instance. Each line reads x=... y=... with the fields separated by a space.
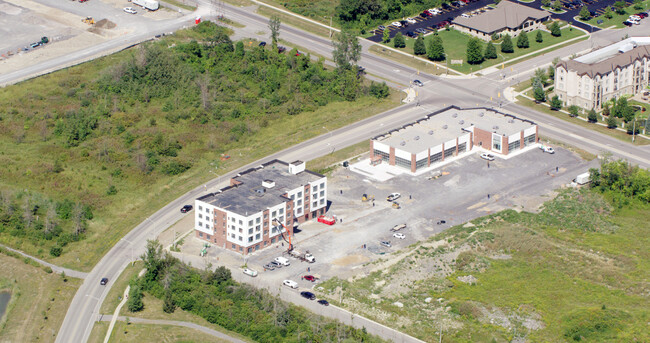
x=421 y=155
x=206 y=211
x=514 y=137
x=449 y=144
x=402 y=154
x=436 y=149
x=464 y=139
x=381 y=147
x=322 y=186
x=529 y=131
x=276 y=209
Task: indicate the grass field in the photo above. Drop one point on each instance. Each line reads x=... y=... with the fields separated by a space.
x=406 y=60
x=29 y=148
x=182 y=4
x=618 y=19
x=575 y=271
x=38 y=303
x=138 y=333
x=296 y=22
x=623 y=136
x=455 y=43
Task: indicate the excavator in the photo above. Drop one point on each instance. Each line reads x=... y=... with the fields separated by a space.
x=366 y=198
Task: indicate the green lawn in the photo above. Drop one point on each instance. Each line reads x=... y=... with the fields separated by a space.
x=618 y=19
x=455 y=43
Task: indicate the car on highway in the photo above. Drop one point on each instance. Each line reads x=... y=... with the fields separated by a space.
x=103 y=281
x=186 y=208
x=487 y=156
x=385 y=243
x=290 y=284
x=130 y=10
x=399 y=235
x=308 y=295
x=396 y=24
x=250 y=272
x=418 y=83
x=393 y=196
x=411 y=20
x=323 y=302
x=309 y=278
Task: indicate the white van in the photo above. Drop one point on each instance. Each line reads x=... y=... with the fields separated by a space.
x=250 y=272
x=290 y=283
x=283 y=261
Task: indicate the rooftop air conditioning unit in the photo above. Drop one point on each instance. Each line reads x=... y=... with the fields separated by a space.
x=511 y=121
x=430 y=132
x=402 y=143
x=481 y=114
x=495 y=127
x=455 y=115
x=461 y=122
x=416 y=138
x=444 y=126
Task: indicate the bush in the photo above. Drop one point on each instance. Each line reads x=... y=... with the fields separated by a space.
x=573 y=110
x=56 y=251
x=135 y=304
x=611 y=122
x=47 y=269
x=175 y=167
x=592 y=116
x=556 y=103
x=379 y=90
x=112 y=190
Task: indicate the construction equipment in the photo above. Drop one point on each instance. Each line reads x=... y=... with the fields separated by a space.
x=306 y=256
x=286 y=234
x=366 y=198
x=396 y=205
x=88 y=20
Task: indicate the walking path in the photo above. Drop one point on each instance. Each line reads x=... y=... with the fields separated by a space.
x=203 y=329
x=117 y=313
x=69 y=272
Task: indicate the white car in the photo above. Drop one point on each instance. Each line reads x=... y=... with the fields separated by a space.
x=291 y=284
x=399 y=235
x=393 y=196
x=466 y=15
x=547 y=149
x=396 y=24
x=434 y=11
x=487 y=156
x=130 y=10
x=634 y=17
x=411 y=20
x=250 y=272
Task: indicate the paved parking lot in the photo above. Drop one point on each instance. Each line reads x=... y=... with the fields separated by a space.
x=461 y=194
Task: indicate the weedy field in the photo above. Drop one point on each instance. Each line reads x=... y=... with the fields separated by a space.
x=577 y=270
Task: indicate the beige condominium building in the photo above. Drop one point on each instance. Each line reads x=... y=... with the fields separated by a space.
x=507 y=18
x=591 y=80
x=246 y=216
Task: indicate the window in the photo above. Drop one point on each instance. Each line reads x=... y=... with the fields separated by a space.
x=207 y=210
x=496 y=142
x=266 y=215
x=240 y=238
x=233 y=246
x=322 y=202
x=314 y=204
x=233 y=236
x=402 y=162
x=257 y=228
x=250 y=239
x=462 y=147
x=293 y=196
x=513 y=146
x=240 y=230
x=257 y=236
x=322 y=185
x=207 y=218
x=529 y=140
x=281 y=211
x=300 y=194
x=200 y=215
x=384 y=155
x=272 y=240
x=240 y=222
x=233 y=220
x=250 y=223
x=250 y=231
x=200 y=234
x=200 y=208
x=257 y=220
x=273 y=214
x=322 y=193
x=200 y=224
x=436 y=157
x=299 y=202
x=421 y=163
x=208 y=236
x=299 y=211
x=315 y=188
x=241 y=249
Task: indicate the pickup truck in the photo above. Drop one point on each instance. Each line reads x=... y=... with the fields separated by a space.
x=398 y=227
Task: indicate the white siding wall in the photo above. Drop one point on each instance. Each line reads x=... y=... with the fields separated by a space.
x=529 y=131
x=449 y=144
x=321 y=201
x=436 y=149
x=205 y=211
x=381 y=147
x=402 y=154
x=464 y=139
x=421 y=155
x=514 y=137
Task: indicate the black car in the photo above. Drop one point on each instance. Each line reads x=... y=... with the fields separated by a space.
x=441 y=222
x=411 y=34
x=627 y=23
x=275 y=264
x=404 y=23
x=262 y=44
x=104 y=281
x=323 y=302
x=186 y=208
x=308 y=295
x=418 y=83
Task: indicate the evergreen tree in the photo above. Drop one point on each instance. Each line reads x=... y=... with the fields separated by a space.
x=592 y=116
x=557 y=5
x=386 y=37
x=398 y=41
x=490 y=51
x=418 y=47
x=540 y=94
x=608 y=13
x=606 y=111
x=539 y=38
x=435 y=50
x=551 y=72
x=555 y=29
x=522 y=41
x=474 y=53
x=584 y=13
x=611 y=122
x=546 y=3
x=506 y=45
x=556 y=103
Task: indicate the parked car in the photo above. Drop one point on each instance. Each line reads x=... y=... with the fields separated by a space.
x=381 y=27
x=290 y=283
x=442 y=24
x=103 y=281
x=282 y=260
x=546 y=148
x=425 y=14
x=398 y=227
x=385 y=243
x=418 y=83
x=404 y=23
x=275 y=264
x=269 y=266
x=396 y=24
x=411 y=34
x=262 y=44
x=393 y=196
x=434 y=11
x=399 y=235
x=309 y=278
x=442 y=221
x=411 y=20
x=35 y=45
x=487 y=156
x=250 y=272
x=308 y=295
x=324 y=302
x=642 y=15
x=186 y=208
x=627 y=23
x=130 y=10
x=420 y=30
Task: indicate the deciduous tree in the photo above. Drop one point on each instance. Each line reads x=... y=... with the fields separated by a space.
x=419 y=47
x=556 y=103
x=555 y=29
x=274 y=26
x=522 y=41
x=347 y=50
x=474 y=53
x=435 y=50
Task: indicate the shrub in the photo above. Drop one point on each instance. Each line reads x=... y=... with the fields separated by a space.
x=611 y=122
x=135 y=304
x=573 y=110
x=379 y=90
x=556 y=103
x=592 y=116
x=56 y=251
x=175 y=167
x=112 y=190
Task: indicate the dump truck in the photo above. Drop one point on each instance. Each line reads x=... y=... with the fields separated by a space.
x=306 y=256
x=150 y=5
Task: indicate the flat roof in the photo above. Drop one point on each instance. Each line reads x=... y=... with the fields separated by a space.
x=613 y=50
x=449 y=123
x=251 y=197
x=507 y=14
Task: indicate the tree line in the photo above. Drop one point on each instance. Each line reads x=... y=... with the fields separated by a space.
x=215 y=296
x=622 y=181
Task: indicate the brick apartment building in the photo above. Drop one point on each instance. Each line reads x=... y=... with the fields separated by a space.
x=450 y=132
x=244 y=216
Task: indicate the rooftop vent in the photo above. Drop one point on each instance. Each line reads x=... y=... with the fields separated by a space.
x=481 y=114
x=495 y=127
x=259 y=191
x=444 y=126
x=402 y=143
x=430 y=132
x=455 y=115
x=461 y=122
x=268 y=183
x=416 y=138
x=511 y=121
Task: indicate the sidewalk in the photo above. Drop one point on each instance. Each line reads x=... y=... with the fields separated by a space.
x=69 y=272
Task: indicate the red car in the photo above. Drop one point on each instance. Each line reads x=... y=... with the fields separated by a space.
x=309 y=278
x=642 y=15
x=425 y=14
